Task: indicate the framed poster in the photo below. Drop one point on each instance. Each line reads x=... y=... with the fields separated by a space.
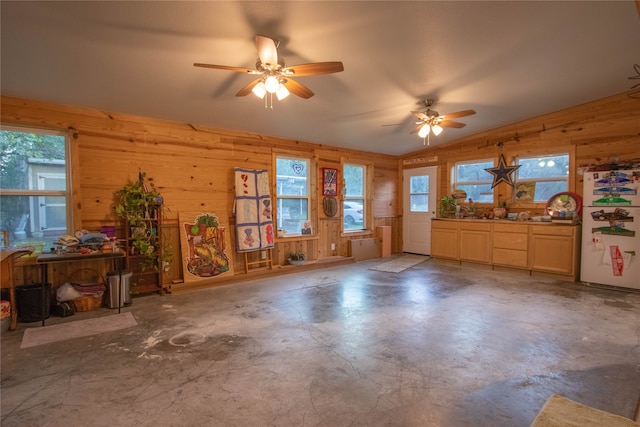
x=205 y=246
x=329 y=182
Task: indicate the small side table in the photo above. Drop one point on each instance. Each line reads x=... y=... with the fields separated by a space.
x=7 y=278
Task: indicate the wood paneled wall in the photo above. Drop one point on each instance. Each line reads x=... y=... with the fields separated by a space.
x=596 y=133
x=192 y=167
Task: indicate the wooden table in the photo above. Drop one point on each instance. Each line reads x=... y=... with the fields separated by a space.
x=49 y=258
x=7 y=278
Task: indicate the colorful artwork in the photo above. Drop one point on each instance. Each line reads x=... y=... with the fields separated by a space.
x=615 y=220
x=614 y=186
x=525 y=192
x=254 y=219
x=329 y=182
x=204 y=244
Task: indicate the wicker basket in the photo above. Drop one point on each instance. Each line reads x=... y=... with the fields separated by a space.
x=87 y=302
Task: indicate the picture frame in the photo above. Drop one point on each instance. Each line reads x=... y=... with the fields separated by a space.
x=329 y=182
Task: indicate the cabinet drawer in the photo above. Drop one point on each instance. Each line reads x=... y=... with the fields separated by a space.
x=553 y=230
x=475 y=226
x=452 y=225
x=509 y=257
x=511 y=228
x=510 y=240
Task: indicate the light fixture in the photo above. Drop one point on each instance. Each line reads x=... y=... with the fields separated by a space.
x=282 y=92
x=272 y=84
x=259 y=90
x=424 y=130
x=436 y=129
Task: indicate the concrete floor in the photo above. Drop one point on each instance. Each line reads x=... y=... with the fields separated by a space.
x=435 y=345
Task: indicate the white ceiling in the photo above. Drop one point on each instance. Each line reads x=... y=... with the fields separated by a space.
x=508 y=60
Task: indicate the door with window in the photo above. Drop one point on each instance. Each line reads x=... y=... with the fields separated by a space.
x=419 y=207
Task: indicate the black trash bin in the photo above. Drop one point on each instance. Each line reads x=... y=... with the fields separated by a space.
x=30 y=304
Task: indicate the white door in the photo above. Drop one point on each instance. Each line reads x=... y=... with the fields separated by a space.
x=419 y=206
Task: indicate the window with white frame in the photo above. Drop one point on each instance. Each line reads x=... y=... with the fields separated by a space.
x=353 y=205
x=540 y=177
x=472 y=177
x=292 y=195
x=35 y=202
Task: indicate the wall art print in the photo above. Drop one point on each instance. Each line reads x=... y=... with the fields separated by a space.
x=329 y=182
x=253 y=210
x=204 y=243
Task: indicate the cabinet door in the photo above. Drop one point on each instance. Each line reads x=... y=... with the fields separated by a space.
x=444 y=242
x=552 y=253
x=475 y=245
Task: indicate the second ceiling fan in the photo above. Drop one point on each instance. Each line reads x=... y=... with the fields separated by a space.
x=431 y=121
x=275 y=75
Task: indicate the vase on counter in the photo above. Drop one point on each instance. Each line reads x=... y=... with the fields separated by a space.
x=499 y=213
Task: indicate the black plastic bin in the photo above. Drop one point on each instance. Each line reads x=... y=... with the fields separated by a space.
x=30 y=304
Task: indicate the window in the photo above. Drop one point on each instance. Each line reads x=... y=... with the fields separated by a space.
x=539 y=178
x=292 y=195
x=353 y=206
x=35 y=199
x=474 y=180
x=419 y=193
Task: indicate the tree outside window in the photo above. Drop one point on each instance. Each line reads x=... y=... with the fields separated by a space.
x=539 y=178
x=34 y=201
x=474 y=180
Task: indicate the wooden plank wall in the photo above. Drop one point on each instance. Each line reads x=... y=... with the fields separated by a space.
x=597 y=133
x=192 y=167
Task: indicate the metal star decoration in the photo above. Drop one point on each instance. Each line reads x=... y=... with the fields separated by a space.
x=502 y=173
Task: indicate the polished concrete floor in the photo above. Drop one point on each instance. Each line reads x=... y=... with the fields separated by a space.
x=435 y=345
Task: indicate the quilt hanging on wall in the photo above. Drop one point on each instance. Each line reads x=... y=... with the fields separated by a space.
x=204 y=242
x=254 y=222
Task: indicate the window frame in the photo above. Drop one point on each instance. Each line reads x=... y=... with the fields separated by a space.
x=308 y=197
x=35 y=195
x=364 y=199
x=519 y=180
x=455 y=184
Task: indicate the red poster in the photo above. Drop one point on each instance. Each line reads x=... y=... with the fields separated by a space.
x=616 y=261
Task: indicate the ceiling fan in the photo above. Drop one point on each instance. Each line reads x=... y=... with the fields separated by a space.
x=275 y=76
x=431 y=121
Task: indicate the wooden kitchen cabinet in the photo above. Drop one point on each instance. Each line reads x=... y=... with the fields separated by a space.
x=510 y=245
x=444 y=239
x=475 y=242
x=554 y=249
x=533 y=247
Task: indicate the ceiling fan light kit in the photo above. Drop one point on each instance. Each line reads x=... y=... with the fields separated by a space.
x=275 y=76
x=431 y=121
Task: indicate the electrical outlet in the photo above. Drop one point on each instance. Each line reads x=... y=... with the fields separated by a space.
x=263 y=255
x=333 y=246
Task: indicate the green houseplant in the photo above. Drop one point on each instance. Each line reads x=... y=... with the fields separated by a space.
x=296 y=258
x=136 y=203
x=447 y=207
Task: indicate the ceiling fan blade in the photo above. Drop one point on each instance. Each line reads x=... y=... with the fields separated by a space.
x=420 y=114
x=458 y=114
x=451 y=124
x=298 y=89
x=417 y=129
x=247 y=89
x=267 y=51
x=227 y=67
x=315 y=68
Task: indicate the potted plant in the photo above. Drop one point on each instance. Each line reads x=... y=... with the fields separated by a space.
x=136 y=203
x=447 y=207
x=296 y=258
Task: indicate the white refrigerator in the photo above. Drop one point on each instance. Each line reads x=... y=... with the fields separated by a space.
x=611 y=228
